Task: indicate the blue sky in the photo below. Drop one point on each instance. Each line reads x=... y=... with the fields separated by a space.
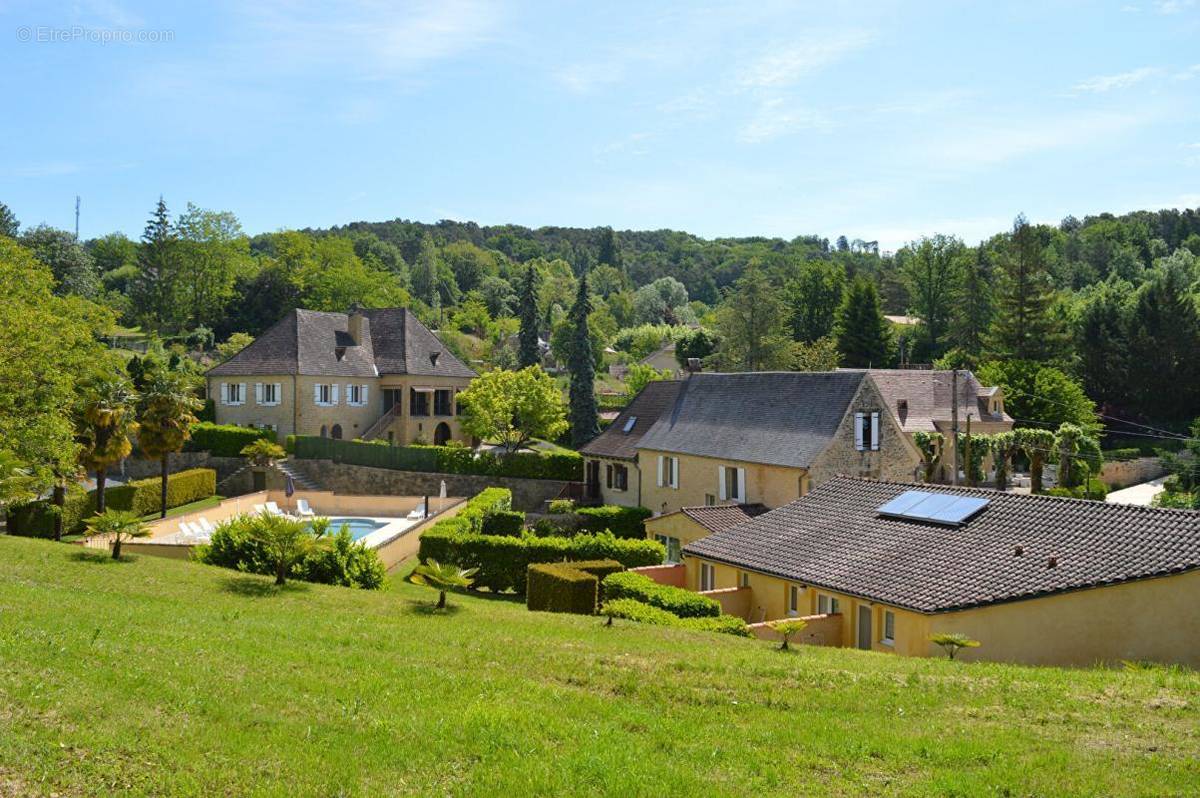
x=881 y=121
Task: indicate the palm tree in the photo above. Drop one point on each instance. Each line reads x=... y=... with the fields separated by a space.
x=121 y=525
x=263 y=452
x=285 y=541
x=443 y=577
x=167 y=413
x=953 y=641
x=786 y=628
x=106 y=420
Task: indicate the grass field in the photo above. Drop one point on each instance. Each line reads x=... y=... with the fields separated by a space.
x=156 y=677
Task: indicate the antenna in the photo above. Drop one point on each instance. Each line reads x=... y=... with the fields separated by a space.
x=76 y=217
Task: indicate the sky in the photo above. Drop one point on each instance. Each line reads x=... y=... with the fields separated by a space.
x=881 y=121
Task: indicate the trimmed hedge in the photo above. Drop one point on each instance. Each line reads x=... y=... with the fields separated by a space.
x=563 y=465
x=224 y=440
x=503 y=560
x=674 y=600
x=634 y=610
x=1095 y=489
x=624 y=522
x=140 y=497
x=569 y=586
x=504 y=522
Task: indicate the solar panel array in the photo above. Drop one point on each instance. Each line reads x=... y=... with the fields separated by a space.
x=937 y=508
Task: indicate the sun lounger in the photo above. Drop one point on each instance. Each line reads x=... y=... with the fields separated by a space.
x=259 y=509
x=303 y=509
x=206 y=526
x=417 y=513
x=273 y=509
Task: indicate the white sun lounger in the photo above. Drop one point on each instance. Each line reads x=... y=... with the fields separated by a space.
x=303 y=509
x=273 y=509
x=206 y=526
x=259 y=509
x=417 y=513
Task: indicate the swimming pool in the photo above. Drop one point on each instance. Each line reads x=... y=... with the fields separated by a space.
x=359 y=527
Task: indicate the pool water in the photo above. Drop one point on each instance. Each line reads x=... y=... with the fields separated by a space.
x=359 y=527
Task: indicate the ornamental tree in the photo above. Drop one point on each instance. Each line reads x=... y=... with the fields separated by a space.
x=512 y=408
x=953 y=641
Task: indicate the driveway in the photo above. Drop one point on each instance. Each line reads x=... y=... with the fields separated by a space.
x=1142 y=494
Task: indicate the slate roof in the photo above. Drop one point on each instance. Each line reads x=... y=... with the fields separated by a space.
x=718 y=518
x=775 y=418
x=927 y=394
x=834 y=538
x=651 y=402
x=308 y=342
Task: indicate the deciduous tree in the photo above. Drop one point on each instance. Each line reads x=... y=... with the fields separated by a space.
x=512 y=408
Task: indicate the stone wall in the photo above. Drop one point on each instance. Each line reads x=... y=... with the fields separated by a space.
x=138 y=468
x=1131 y=472
x=528 y=494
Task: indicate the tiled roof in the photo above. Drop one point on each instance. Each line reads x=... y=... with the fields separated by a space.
x=718 y=518
x=653 y=400
x=309 y=342
x=776 y=418
x=927 y=397
x=834 y=538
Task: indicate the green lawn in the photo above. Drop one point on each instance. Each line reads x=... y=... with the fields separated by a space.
x=156 y=677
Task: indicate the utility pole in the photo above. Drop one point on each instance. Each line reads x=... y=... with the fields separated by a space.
x=76 y=218
x=967 y=453
x=954 y=422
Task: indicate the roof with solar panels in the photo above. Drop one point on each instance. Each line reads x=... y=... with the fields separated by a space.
x=933 y=548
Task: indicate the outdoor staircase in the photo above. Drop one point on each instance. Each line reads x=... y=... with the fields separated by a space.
x=299 y=478
x=381 y=424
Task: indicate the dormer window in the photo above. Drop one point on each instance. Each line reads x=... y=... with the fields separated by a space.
x=339 y=352
x=433 y=358
x=629 y=424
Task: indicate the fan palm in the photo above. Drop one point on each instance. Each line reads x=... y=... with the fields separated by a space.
x=121 y=525
x=786 y=629
x=263 y=452
x=105 y=422
x=166 y=415
x=443 y=577
x=285 y=541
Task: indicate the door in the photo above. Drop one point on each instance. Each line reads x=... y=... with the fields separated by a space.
x=593 y=479
x=391 y=398
x=441 y=435
x=864 y=627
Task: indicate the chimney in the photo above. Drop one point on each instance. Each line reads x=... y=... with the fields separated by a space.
x=356 y=324
x=1052 y=562
x=693 y=366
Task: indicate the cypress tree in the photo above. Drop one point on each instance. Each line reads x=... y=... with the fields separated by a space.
x=585 y=418
x=863 y=335
x=1025 y=326
x=527 y=340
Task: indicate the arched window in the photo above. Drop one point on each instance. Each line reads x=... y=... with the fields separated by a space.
x=441 y=435
x=336 y=432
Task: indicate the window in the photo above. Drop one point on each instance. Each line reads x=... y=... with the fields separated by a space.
x=731 y=483
x=629 y=424
x=443 y=402
x=743 y=579
x=709 y=500
x=356 y=395
x=267 y=393
x=708 y=577
x=418 y=404
x=889 y=627
x=668 y=471
x=233 y=393
x=325 y=395
x=827 y=605
x=620 y=478
x=866 y=431
x=793 y=599
x=673 y=548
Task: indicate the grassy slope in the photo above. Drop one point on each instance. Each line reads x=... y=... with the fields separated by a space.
x=161 y=677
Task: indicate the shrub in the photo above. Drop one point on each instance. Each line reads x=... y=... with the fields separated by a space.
x=562 y=506
x=675 y=600
x=624 y=522
x=1095 y=490
x=224 y=440
x=487 y=502
x=634 y=610
x=560 y=465
x=1122 y=455
x=567 y=586
x=504 y=522
x=340 y=561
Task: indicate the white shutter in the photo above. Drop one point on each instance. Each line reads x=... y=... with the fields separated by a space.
x=741 y=486
x=242 y=394
x=278 y=393
x=674 y=472
x=362 y=399
x=316 y=394
x=224 y=393
x=333 y=396
x=875 y=432
x=350 y=394
x=660 y=470
x=258 y=394
x=858 y=431
x=721 y=494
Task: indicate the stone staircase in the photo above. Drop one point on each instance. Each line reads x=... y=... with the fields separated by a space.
x=301 y=480
x=381 y=424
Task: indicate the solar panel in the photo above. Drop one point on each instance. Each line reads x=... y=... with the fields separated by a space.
x=938 y=508
x=630 y=422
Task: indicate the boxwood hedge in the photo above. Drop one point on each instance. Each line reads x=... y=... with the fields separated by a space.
x=567 y=586
x=624 y=522
x=560 y=465
x=675 y=600
x=634 y=610
x=224 y=440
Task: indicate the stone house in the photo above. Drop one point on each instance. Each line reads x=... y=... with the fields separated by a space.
x=611 y=465
x=371 y=374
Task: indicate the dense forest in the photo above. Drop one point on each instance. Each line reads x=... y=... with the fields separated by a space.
x=1105 y=306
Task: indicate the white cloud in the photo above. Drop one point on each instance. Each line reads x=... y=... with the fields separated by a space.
x=776 y=117
x=1122 y=80
x=1173 y=6
x=985 y=146
x=789 y=63
x=1188 y=73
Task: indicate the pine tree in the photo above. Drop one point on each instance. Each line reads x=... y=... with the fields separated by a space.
x=1164 y=337
x=863 y=335
x=973 y=311
x=1025 y=326
x=528 y=353
x=585 y=417
x=155 y=290
x=9 y=226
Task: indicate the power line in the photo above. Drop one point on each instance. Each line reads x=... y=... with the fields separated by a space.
x=1098 y=414
x=1052 y=425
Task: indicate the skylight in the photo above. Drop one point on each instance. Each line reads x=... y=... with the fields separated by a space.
x=937 y=508
x=629 y=423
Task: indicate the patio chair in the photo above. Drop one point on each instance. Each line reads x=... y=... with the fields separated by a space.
x=259 y=509
x=273 y=509
x=206 y=526
x=418 y=512
x=303 y=509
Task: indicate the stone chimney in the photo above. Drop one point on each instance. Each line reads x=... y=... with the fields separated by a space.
x=693 y=366
x=356 y=325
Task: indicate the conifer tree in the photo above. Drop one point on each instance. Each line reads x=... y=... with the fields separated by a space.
x=1025 y=326
x=155 y=290
x=528 y=353
x=585 y=417
x=863 y=335
x=973 y=311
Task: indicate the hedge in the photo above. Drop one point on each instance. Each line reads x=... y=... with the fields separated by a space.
x=560 y=465
x=634 y=610
x=675 y=600
x=224 y=440
x=1121 y=455
x=504 y=522
x=140 y=497
x=624 y=522
x=1095 y=490
x=503 y=560
x=569 y=586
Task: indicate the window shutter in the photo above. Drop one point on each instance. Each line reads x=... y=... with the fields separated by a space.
x=875 y=432
x=316 y=394
x=858 y=431
x=721 y=494
x=258 y=394
x=363 y=397
x=674 y=472
x=242 y=394
x=333 y=395
x=278 y=393
x=224 y=393
x=660 y=470
x=741 y=485
x=608 y=475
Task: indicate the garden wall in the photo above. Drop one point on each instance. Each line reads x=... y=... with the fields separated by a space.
x=1131 y=472
x=527 y=494
x=138 y=468
x=822 y=630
